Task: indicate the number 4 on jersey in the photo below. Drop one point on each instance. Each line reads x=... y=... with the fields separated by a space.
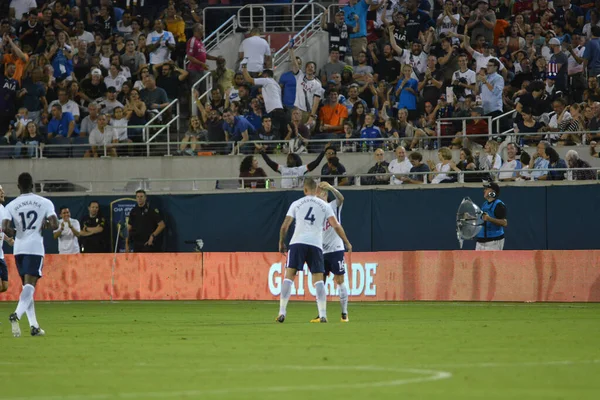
x=310 y=216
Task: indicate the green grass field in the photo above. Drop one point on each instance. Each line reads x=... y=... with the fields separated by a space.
x=235 y=350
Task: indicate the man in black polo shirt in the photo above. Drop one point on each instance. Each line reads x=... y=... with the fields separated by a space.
x=92 y=235
x=144 y=225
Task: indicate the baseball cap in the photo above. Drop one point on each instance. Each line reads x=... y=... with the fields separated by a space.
x=492 y=185
x=111 y=89
x=96 y=71
x=554 y=41
x=483 y=1
x=478 y=110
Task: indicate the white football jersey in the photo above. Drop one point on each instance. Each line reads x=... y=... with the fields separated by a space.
x=306 y=90
x=2 y=214
x=28 y=213
x=294 y=172
x=331 y=241
x=310 y=214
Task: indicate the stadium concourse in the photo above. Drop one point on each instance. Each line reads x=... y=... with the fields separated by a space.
x=184 y=129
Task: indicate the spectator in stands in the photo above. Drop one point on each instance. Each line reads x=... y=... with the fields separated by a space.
x=555 y=162
x=62 y=124
x=332 y=115
x=442 y=168
x=223 y=76
x=592 y=53
x=30 y=30
x=490 y=87
x=511 y=165
x=255 y=52
x=298 y=128
x=399 y=167
x=561 y=118
x=416 y=160
x=93 y=88
x=110 y=101
x=195 y=133
x=255 y=114
x=388 y=69
x=353 y=98
x=197 y=55
x=250 y=171
x=13 y=54
x=380 y=167
x=216 y=100
x=574 y=161
x=338 y=31
x=334 y=168
x=114 y=78
x=144 y=226
x=308 y=90
x=467 y=163
x=355 y=14
x=31 y=139
x=431 y=83
x=176 y=25
x=103 y=136
x=237 y=131
x=170 y=78
x=90 y=121
x=370 y=132
x=406 y=92
x=67 y=233
x=66 y=105
x=160 y=44
x=133 y=59
x=119 y=121
x=482 y=22
x=9 y=91
x=558 y=65
x=34 y=98
x=154 y=97
x=135 y=31
x=334 y=66
x=539 y=162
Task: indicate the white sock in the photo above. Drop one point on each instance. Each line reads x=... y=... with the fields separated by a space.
x=286 y=292
x=31 y=317
x=344 y=297
x=24 y=300
x=321 y=299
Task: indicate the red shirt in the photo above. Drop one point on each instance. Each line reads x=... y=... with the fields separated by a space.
x=195 y=48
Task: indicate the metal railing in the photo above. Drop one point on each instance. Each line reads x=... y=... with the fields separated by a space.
x=206 y=78
x=300 y=39
x=158 y=117
x=225 y=29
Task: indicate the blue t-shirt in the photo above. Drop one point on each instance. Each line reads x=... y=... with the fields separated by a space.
x=592 y=54
x=370 y=132
x=61 y=126
x=288 y=81
x=240 y=124
x=255 y=120
x=407 y=99
x=361 y=8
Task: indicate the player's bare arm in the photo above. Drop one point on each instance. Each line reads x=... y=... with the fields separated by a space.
x=341 y=233
x=51 y=223
x=7 y=227
x=285 y=226
x=339 y=197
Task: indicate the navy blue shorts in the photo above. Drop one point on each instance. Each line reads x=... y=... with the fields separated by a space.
x=3 y=270
x=29 y=264
x=299 y=254
x=334 y=263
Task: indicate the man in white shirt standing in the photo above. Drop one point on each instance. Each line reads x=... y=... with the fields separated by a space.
x=160 y=43
x=67 y=233
x=464 y=77
x=255 y=52
x=577 y=79
x=67 y=105
x=308 y=89
x=399 y=167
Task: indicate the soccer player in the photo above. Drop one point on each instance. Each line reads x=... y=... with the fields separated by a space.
x=30 y=214
x=310 y=214
x=333 y=247
x=3 y=238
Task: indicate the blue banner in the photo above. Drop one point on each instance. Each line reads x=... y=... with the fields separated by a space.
x=119 y=218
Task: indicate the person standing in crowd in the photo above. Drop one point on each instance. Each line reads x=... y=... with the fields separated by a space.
x=491 y=236
x=144 y=226
x=67 y=233
x=255 y=52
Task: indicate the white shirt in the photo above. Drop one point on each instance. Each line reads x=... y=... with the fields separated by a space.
x=107 y=106
x=494 y=163
x=255 y=49
x=554 y=124
x=295 y=172
x=447 y=25
x=70 y=107
x=67 y=241
x=22 y=6
x=162 y=53
x=399 y=168
x=306 y=90
x=440 y=177
x=483 y=60
x=86 y=36
x=124 y=29
x=573 y=66
x=271 y=93
x=469 y=75
x=28 y=213
x=310 y=214
x=98 y=138
x=509 y=165
x=117 y=82
x=419 y=63
x=120 y=128
x=2 y=216
x=331 y=241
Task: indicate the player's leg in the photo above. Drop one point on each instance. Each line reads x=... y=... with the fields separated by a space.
x=3 y=276
x=30 y=270
x=30 y=311
x=339 y=271
x=327 y=265
x=295 y=262
x=316 y=265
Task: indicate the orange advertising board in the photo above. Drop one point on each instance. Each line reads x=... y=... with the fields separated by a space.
x=561 y=276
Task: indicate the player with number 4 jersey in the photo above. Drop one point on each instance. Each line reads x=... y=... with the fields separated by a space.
x=333 y=247
x=306 y=246
x=30 y=214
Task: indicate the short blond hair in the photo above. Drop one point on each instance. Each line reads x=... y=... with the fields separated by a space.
x=446 y=153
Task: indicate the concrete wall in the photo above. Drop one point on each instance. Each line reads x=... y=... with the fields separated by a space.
x=111 y=175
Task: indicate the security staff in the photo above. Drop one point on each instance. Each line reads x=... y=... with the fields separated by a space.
x=144 y=225
x=92 y=235
x=491 y=236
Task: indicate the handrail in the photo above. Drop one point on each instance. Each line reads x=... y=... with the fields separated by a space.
x=299 y=39
x=499 y=117
x=217 y=33
x=168 y=128
x=145 y=132
x=208 y=77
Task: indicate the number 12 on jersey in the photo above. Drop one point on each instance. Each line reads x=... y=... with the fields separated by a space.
x=310 y=216
x=28 y=220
